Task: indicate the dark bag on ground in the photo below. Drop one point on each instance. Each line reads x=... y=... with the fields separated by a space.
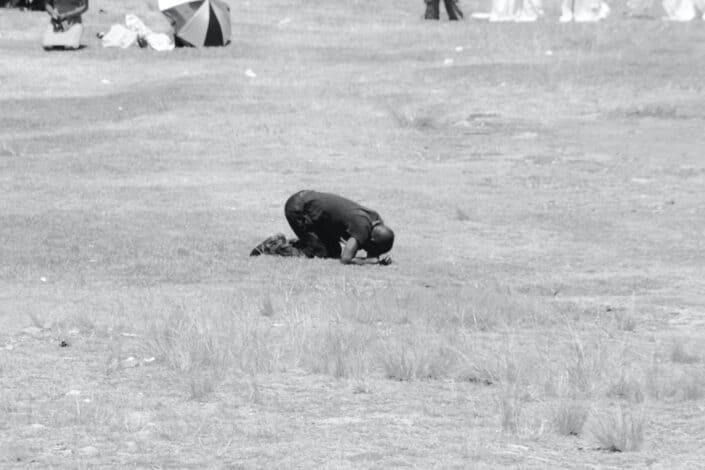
x=278 y=245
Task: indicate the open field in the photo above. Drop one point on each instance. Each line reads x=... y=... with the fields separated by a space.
x=545 y=307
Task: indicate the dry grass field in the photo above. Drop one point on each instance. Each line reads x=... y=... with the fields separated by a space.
x=545 y=308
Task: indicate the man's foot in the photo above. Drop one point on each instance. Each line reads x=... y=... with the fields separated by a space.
x=454 y=12
x=432 y=10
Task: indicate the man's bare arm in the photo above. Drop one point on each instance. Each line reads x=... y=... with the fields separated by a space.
x=350 y=250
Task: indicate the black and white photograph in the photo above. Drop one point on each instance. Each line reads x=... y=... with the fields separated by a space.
x=352 y=234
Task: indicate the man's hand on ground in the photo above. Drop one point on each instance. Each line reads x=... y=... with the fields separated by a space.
x=386 y=261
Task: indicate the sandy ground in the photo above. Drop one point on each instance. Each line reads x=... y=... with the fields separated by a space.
x=560 y=165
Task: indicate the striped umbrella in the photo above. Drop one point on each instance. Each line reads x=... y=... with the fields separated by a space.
x=199 y=23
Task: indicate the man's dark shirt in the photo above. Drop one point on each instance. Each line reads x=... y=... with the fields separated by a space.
x=334 y=218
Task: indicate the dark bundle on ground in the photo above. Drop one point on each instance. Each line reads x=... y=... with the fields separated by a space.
x=278 y=245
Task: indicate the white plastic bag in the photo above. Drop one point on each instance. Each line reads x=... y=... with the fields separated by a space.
x=119 y=36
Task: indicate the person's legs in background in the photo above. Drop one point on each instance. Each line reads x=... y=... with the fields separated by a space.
x=432 y=10
x=454 y=12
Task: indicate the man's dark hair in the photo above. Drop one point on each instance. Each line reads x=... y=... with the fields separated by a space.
x=381 y=240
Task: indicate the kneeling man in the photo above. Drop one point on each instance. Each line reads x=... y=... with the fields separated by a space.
x=323 y=220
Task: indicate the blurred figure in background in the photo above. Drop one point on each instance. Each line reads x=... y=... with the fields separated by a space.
x=452 y=8
x=66 y=26
x=23 y=4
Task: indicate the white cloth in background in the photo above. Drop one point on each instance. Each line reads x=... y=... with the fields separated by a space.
x=157 y=41
x=134 y=29
x=584 y=11
x=135 y=24
x=160 y=42
x=513 y=10
x=119 y=36
x=683 y=10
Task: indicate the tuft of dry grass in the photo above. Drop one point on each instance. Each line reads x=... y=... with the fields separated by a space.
x=680 y=355
x=414 y=119
x=676 y=385
x=627 y=387
x=461 y=215
x=625 y=321
x=569 y=418
x=191 y=347
x=38 y=322
x=416 y=356
x=493 y=306
x=267 y=309
x=510 y=399
x=587 y=364
x=619 y=431
x=203 y=381
x=339 y=350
